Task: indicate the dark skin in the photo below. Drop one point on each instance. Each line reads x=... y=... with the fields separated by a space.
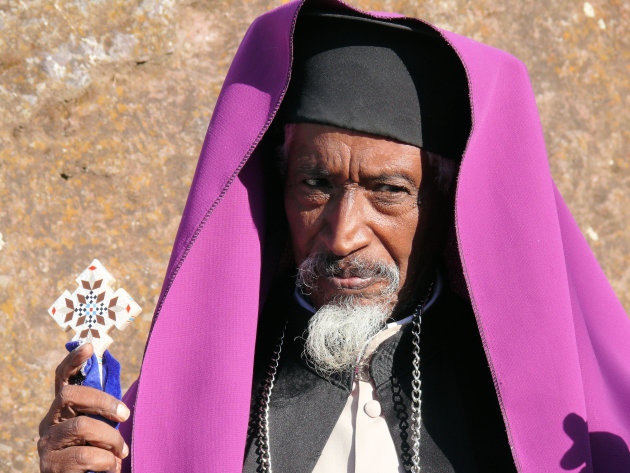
x=352 y=194
x=346 y=193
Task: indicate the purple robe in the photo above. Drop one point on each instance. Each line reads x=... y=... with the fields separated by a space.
x=556 y=337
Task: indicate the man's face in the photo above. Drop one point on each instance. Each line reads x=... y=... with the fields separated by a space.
x=352 y=197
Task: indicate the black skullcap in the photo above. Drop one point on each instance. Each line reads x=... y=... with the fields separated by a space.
x=394 y=79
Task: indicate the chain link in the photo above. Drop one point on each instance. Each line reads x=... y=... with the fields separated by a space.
x=262 y=440
x=416 y=385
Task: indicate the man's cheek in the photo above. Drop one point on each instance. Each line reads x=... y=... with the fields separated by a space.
x=299 y=240
x=304 y=230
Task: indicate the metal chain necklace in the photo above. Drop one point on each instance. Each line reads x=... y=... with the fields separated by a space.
x=416 y=384
x=262 y=437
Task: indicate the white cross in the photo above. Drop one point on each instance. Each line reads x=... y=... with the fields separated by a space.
x=94 y=309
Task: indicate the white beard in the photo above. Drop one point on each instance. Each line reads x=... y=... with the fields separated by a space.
x=337 y=333
x=339 y=330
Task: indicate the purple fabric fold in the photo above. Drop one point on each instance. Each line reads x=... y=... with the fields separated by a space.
x=556 y=337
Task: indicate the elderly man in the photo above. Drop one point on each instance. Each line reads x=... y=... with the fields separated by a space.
x=423 y=332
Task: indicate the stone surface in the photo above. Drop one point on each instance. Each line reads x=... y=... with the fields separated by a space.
x=103 y=108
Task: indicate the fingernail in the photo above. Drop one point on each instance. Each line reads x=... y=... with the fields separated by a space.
x=118 y=466
x=122 y=411
x=125 y=451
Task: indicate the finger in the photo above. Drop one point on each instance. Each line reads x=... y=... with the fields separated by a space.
x=74 y=400
x=86 y=430
x=71 y=365
x=81 y=459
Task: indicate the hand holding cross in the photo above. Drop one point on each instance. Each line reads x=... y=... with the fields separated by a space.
x=70 y=441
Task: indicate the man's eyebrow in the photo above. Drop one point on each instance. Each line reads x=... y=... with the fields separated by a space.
x=312 y=169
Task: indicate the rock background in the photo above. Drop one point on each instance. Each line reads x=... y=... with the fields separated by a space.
x=103 y=108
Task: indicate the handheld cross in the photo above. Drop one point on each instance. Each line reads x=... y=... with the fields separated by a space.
x=94 y=309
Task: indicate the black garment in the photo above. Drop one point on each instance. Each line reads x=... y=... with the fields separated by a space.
x=462 y=431
x=395 y=79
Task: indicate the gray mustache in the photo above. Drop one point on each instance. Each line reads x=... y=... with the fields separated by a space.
x=320 y=265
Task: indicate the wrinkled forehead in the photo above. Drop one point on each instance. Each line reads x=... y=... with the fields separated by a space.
x=326 y=151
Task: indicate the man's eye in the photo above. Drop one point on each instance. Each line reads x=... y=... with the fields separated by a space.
x=315 y=183
x=391 y=189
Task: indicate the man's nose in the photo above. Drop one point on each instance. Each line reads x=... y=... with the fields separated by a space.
x=347 y=229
